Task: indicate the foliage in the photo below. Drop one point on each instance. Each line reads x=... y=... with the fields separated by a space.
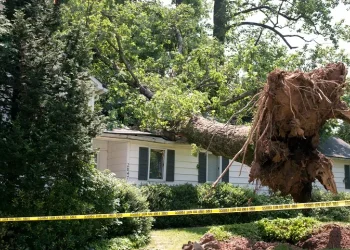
x=121 y=243
x=179 y=197
x=101 y=193
x=249 y=230
x=46 y=162
x=164 y=197
x=130 y=199
x=287 y=230
x=330 y=214
x=170 y=52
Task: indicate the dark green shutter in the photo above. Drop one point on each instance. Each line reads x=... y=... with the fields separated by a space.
x=224 y=163
x=143 y=163
x=170 y=165
x=347 y=176
x=202 y=167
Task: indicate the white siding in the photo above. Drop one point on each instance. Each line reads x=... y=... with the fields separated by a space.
x=117 y=158
x=185 y=164
x=122 y=158
x=240 y=177
x=339 y=174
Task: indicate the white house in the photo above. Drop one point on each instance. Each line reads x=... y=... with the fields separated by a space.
x=142 y=157
x=339 y=152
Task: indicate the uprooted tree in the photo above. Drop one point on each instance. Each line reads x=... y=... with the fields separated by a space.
x=292 y=108
x=166 y=74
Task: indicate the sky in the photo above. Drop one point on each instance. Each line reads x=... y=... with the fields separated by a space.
x=338 y=13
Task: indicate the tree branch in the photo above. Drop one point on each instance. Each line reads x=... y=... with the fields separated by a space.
x=179 y=40
x=237 y=98
x=266 y=7
x=301 y=37
x=257 y=40
x=270 y=28
x=142 y=89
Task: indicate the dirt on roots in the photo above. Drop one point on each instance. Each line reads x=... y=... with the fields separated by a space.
x=330 y=236
x=292 y=108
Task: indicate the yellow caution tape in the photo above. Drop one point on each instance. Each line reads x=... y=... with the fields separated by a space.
x=341 y=203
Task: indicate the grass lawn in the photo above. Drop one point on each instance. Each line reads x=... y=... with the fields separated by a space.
x=173 y=239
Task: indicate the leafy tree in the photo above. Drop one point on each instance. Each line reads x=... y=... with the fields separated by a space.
x=163 y=67
x=167 y=73
x=46 y=127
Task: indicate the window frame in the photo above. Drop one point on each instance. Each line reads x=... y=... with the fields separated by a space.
x=164 y=167
x=346 y=178
x=207 y=167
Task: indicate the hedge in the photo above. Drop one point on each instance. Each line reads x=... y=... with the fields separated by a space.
x=179 y=197
x=98 y=193
x=186 y=196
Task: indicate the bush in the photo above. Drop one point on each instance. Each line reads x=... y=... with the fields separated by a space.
x=163 y=197
x=121 y=243
x=130 y=199
x=180 y=197
x=331 y=213
x=96 y=193
x=275 y=199
x=249 y=230
x=286 y=230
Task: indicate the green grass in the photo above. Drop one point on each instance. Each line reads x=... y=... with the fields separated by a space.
x=173 y=239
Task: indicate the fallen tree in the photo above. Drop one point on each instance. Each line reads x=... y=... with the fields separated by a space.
x=292 y=108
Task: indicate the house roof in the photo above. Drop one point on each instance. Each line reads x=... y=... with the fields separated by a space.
x=335 y=147
x=123 y=131
x=331 y=147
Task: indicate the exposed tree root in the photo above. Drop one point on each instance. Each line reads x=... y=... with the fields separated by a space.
x=292 y=109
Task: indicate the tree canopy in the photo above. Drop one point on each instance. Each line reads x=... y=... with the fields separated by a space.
x=165 y=64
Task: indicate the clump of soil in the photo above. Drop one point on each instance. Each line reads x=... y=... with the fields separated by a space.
x=208 y=242
x=331 y=236
x=291 y=111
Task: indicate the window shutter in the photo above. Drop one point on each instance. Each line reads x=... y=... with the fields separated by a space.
x=347 y=176
x=224 y=163
x=202 y=167
x=170 y=165
x=143 y=163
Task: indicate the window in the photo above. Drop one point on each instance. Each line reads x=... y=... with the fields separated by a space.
x=213 y=167
x=156 y=164
x=210 y=167
x=347 y=176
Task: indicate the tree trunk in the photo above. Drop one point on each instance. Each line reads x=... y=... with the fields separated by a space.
x=220 y=20
x=291 y=110
x=218 y=138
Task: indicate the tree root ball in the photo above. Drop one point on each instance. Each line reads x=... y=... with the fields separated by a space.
x=292 y=108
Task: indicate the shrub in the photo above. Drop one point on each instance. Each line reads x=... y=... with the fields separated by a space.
x=220 y=233
x=179 y=197
x=274 y=199
x=96 y=193
x=249 y=230
x=225 y=195
x=331 y=213
x=130 y=199
x=287 y=230
x=120 y=243
x=164 y=197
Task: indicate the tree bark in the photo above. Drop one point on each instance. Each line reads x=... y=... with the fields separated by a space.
x=218 y=138
x=220 y=20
